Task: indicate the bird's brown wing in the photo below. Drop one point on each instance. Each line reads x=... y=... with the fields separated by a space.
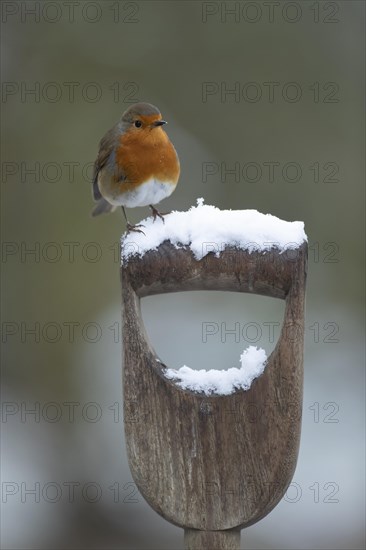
x=106 y=148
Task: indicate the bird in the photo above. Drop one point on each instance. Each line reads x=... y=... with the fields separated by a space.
x=137 y=164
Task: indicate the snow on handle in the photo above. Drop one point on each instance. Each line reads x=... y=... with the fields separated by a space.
x=206 y=228
x=222 y=382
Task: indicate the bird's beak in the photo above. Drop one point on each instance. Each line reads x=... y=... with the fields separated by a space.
x=159 y=123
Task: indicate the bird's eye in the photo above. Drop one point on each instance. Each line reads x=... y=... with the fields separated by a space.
x=138 y=123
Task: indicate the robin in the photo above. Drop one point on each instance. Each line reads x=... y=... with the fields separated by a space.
x=137 y=164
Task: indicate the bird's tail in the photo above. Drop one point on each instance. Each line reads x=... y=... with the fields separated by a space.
x=102 y=207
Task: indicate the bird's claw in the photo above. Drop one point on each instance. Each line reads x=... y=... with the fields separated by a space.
x=157 y=214
x=134 y=228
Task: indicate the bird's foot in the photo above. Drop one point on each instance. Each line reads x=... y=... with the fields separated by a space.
x=135 y=228
x=157 y=214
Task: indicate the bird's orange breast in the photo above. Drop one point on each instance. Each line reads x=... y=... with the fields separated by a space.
x=144 y=155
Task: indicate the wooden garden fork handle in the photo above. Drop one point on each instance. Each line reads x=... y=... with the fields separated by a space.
x=213 y=464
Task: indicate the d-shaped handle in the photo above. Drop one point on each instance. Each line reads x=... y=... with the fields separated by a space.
x=220 y=462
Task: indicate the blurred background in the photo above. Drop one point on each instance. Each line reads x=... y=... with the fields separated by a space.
x=265 y=107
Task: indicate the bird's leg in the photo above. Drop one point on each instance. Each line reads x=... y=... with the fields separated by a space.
x=130 y=226
x=157 y=214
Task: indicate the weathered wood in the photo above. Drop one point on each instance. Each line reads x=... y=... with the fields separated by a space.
x=220 y=462
x=211 y=540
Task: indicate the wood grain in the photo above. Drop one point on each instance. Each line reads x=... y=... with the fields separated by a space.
x=220 y=462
